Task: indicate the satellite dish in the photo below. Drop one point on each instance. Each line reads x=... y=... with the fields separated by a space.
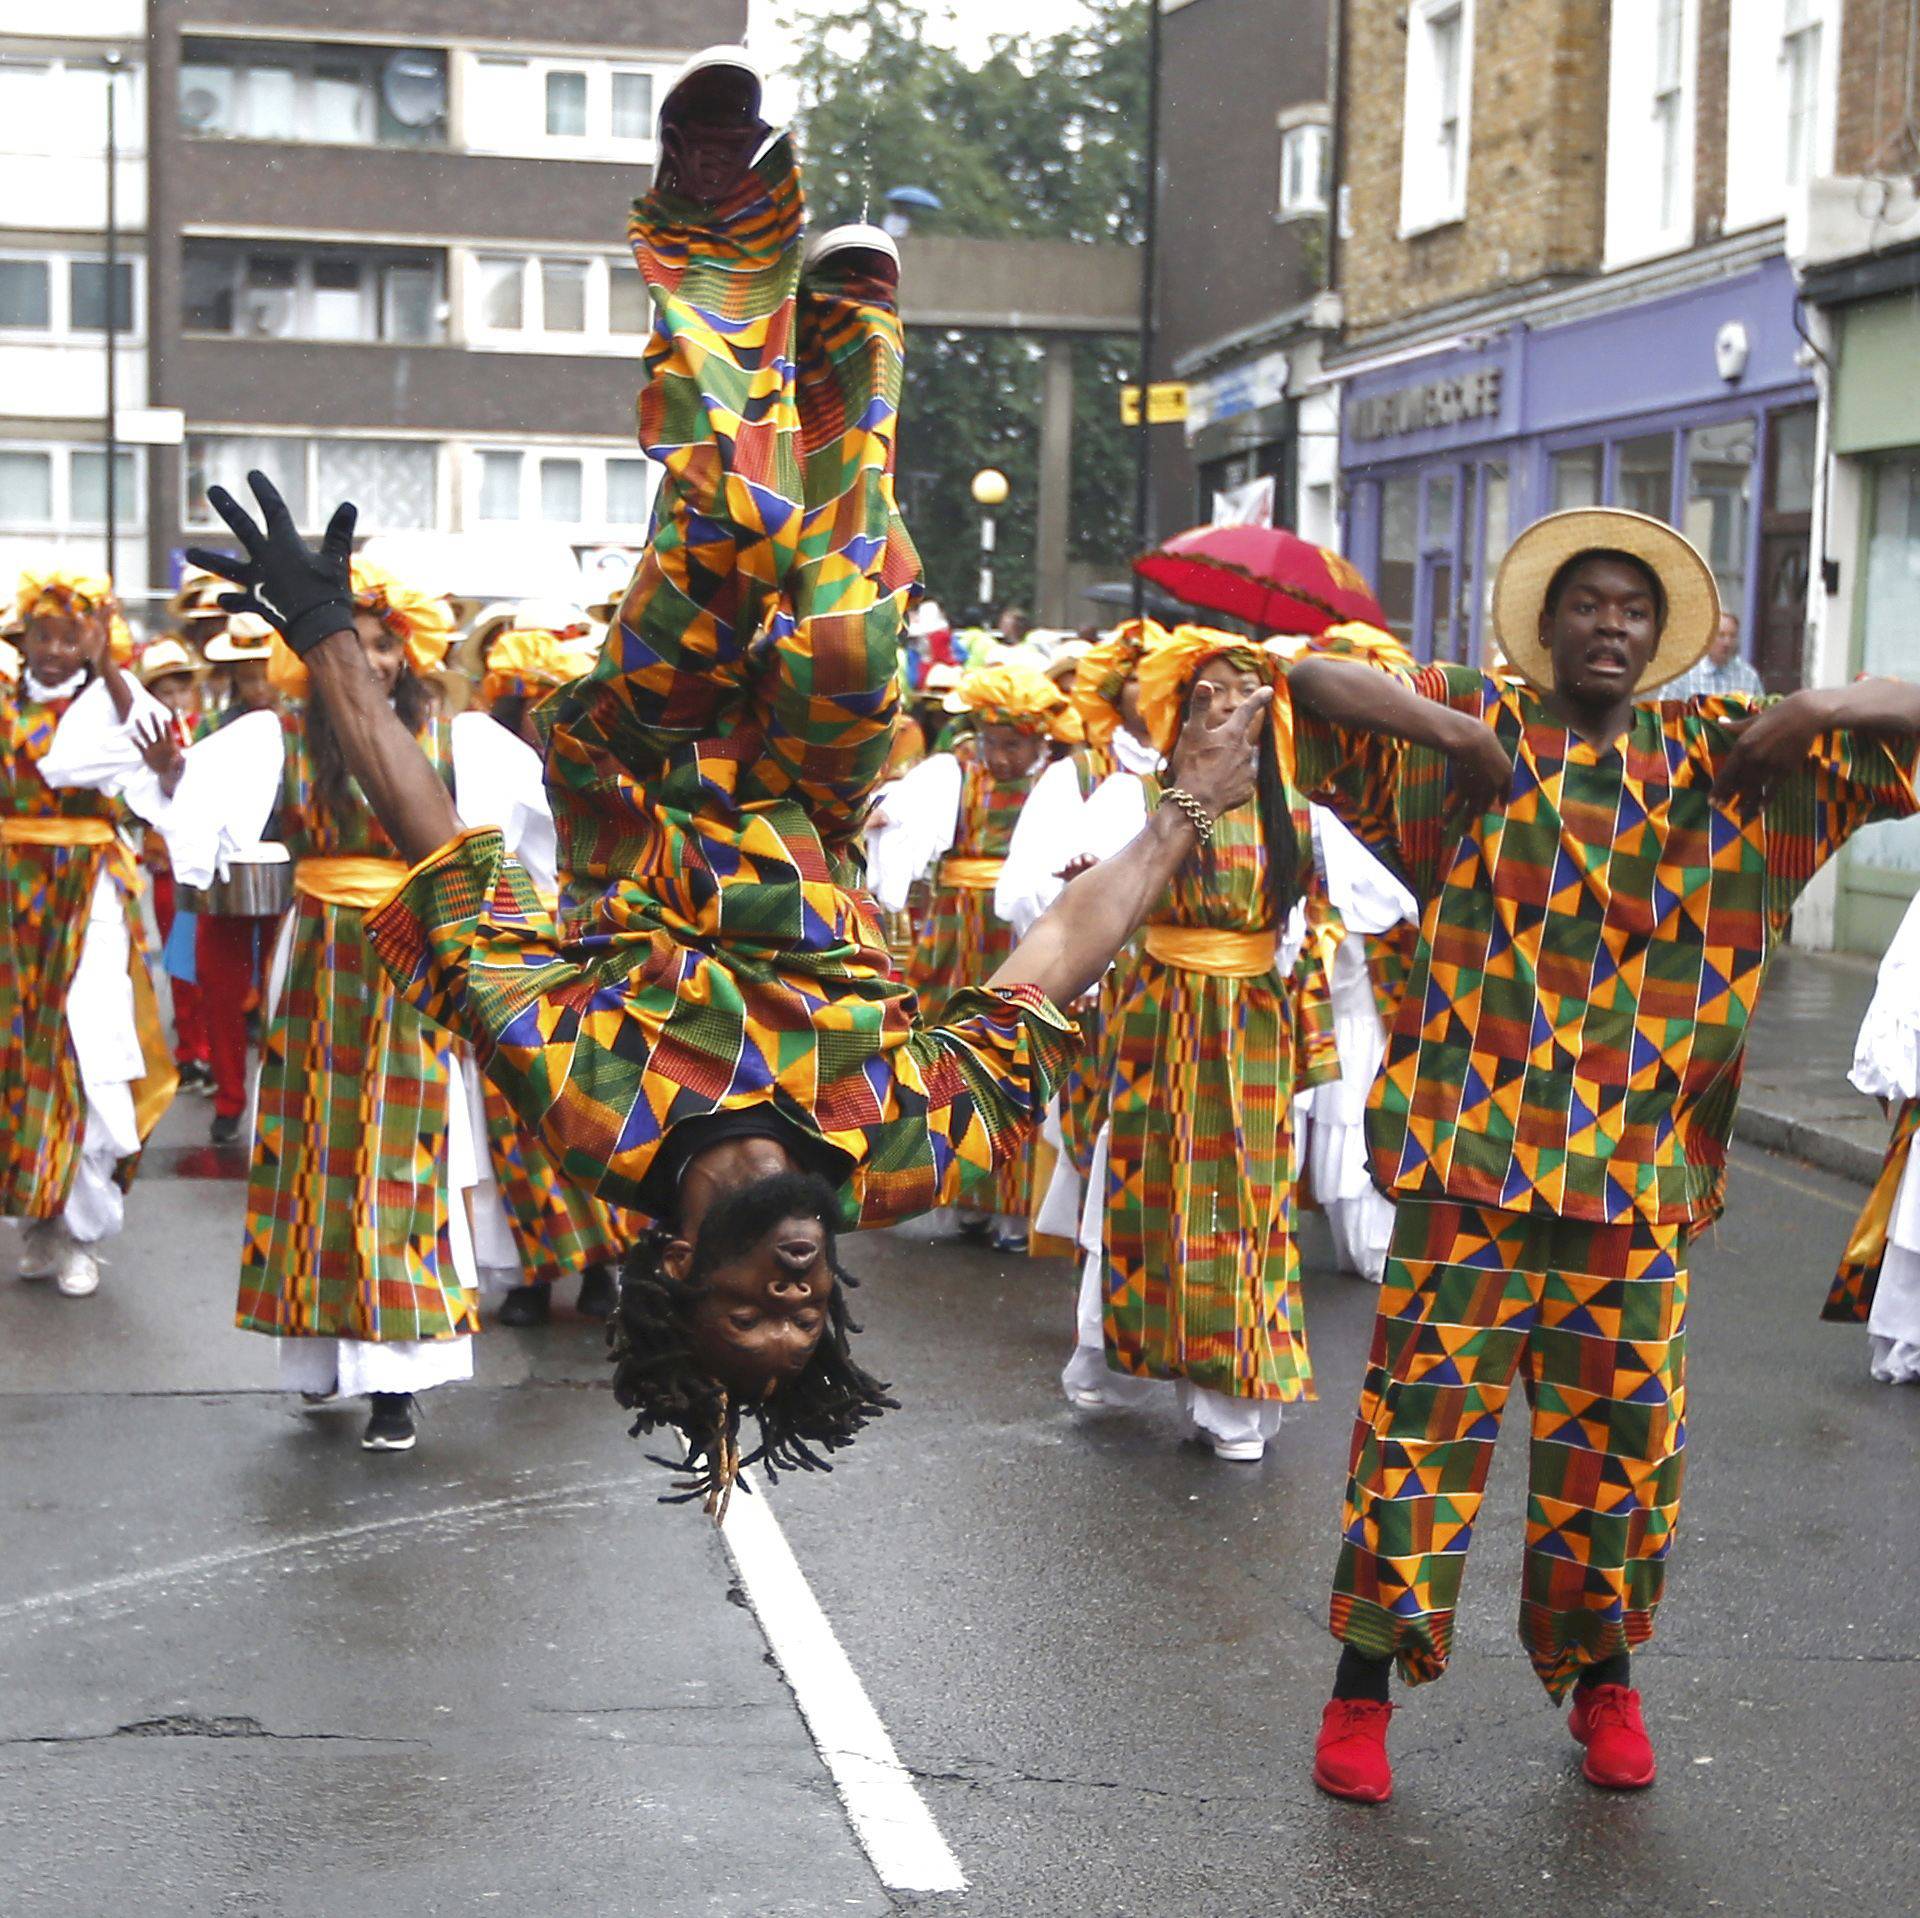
x=414 y=86
x=203 y=108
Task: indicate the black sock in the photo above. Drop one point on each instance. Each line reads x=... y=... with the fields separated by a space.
x=1358 y=1676
x=1617 y=1670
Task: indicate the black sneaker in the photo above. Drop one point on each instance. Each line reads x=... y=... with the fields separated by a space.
x=194 y=1077
x=974 y=1228
x=224 y=1131
x=525 y=1305
x=390 y=1424
x=599 y=1293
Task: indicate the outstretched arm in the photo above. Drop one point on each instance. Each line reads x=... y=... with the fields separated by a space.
x=308 y=595
x=1774 y=744
x=1074 y=941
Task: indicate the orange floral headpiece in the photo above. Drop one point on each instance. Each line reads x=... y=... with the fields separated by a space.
x=1101 y=675
x=1171 y=662
x=84 y=595
x=526 y=661
x=1016 y=694
x=422 y=621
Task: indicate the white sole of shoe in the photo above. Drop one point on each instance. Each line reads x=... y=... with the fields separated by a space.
x=856 y=238
x=388 y=1444
x=712 y=60
x=1237 y=1453
x=79 y=1279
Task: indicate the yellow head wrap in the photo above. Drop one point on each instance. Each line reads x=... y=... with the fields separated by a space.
x=1015 y=694
x=1357 y=640
x=1171 y=662
x=83 y=594
x=527 y=661
x=1102 y=673
x=422 y=621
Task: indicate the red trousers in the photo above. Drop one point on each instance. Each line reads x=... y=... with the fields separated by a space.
x=189 y=1026
x=227 y=954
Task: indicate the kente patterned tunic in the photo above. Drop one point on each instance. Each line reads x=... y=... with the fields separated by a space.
x=347 y=1232
x=1203 y=1270
x=710 y=778
x=46 y=899
x=961 y=939
x=1553 y=1116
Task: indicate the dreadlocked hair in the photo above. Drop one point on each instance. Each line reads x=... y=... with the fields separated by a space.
x=332 y=782
x=1276 y=822
x=658 y=1378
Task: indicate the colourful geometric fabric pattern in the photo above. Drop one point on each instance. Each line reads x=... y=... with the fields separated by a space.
x=1850 y=1298
x=1596 y=1316
x=46 y=898
x=347 y=1231
x=710 y=777
x=1083 y=1092
x=1203 y=1270
x=1316 y=1055
x=962 y=939
x=1571 y=1037
x=558 y=1228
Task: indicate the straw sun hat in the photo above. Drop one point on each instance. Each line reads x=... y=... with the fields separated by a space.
x=164 y=658
x=1520 y=589
x=247 y=636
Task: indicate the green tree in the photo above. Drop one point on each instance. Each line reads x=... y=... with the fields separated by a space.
x=1042 y=138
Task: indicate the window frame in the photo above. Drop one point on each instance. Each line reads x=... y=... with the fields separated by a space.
x=315 y=506
x=59 y=263
x=306 y=60
x=374 y=262
x=487 y=126
x=597 y=338
x=1425 y=206
x=60 y=489
x=1311 y=129
x=595 y=528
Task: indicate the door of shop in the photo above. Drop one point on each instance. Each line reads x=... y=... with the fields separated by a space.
x=1786 y=535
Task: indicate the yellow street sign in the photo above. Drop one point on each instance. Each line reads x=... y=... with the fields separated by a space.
x=1166 y=403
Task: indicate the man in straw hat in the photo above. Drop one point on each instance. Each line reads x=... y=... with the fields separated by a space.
x=716 y=1036
x=1602 y=885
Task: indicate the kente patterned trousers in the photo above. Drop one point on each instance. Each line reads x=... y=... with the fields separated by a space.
x=1593 y=1319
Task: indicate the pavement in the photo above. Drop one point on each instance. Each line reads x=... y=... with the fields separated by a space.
x=246 y=1669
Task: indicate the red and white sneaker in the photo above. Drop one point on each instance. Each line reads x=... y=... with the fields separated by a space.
x=1350 y=1755
x=1606 y=1719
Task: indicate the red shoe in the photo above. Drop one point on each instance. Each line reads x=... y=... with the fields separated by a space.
x=1606 y=1719
x=1350 y=1755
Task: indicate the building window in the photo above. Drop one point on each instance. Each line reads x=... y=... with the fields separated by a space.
x=591 y=492
x=629 y=495
x=562 y=492
x=1782 y=81
x=26 y=489
x=26 y=302
x=395 y=483
x=500 y=485
x=1717 y=514
x=63 y=489
x=1800 y=78
x=1306 y=151
x=87 y=480
x=1671 y=132
x=1650 y=128
x=316 y=293
x=1438 y=114
x=330 y=95
x=581 y=109
x=58 y=295
x=1575 y=477
x=554 y=304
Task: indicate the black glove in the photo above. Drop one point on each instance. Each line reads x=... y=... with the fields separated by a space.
x=308 y=595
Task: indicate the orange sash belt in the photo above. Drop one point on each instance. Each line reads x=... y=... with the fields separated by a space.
x=1227 y=955
x=349 y=879
x=19 y=829
x=972 y=872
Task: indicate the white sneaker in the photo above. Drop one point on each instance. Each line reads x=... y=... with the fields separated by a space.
x=79 y=1273
x=856 y=238
x=1239 y=1451
x=39 y=1256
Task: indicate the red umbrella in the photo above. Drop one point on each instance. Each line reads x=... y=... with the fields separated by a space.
x=1271 y=578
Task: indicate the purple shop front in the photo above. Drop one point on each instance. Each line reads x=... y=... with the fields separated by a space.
x=1692 y=406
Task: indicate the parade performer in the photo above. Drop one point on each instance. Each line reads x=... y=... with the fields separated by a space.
x=1602 y=886
x=1878 y=1282
x=527 y=1216
x=955 y=814
x=1199 y=1282
x=230 y=949
x=357 y=1256
x=171 y=673
x=84 y=1069
x=716 y=1037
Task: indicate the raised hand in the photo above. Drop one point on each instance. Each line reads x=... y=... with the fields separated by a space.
x=306 y=593
x=160 y=748
x=1482 y=772
x=1768 y=748
x=1220 y=764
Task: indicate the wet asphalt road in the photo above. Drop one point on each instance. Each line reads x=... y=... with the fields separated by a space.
x=245 y=1669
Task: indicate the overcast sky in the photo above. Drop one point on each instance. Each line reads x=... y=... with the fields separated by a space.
x=968 y=26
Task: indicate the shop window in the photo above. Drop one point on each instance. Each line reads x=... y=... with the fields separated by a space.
x=1575 y=478
x=1496 y=535
x=1717 y=517
x=1644 y=477
x=1437 y=114
x=1399 y=552
x=1793 y=439
x=25 y=295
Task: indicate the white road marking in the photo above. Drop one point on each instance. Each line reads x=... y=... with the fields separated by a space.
x=889 y=1816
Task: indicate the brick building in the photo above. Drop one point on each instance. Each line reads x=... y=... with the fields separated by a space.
x=1241 y=301
x=388 y=261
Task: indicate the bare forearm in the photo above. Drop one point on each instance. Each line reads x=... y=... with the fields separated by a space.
x=1880 y=708
x=1074 y=941
x=1362 y=699
x=405 y=792
x=118 y=690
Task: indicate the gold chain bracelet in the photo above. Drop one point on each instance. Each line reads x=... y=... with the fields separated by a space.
x=1202 y=819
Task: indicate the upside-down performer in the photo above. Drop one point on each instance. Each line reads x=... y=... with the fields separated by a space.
x=955 y=813
x=84 y=1069
x=357 y=1256
x=715 y=1035
x=1878 y=1283
x=1197 y=1285
x=528 y=1217
x=1602 y=885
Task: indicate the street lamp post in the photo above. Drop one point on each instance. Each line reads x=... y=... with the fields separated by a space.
x=1149 y=254
x=113 y=64
x=990 y=489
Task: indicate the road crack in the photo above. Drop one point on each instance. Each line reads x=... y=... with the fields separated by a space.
x=197 y=1725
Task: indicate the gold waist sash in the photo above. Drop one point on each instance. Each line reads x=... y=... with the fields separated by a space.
x=352 y=879
x=973 y=872
x=18 y=830
x=1227 y=955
